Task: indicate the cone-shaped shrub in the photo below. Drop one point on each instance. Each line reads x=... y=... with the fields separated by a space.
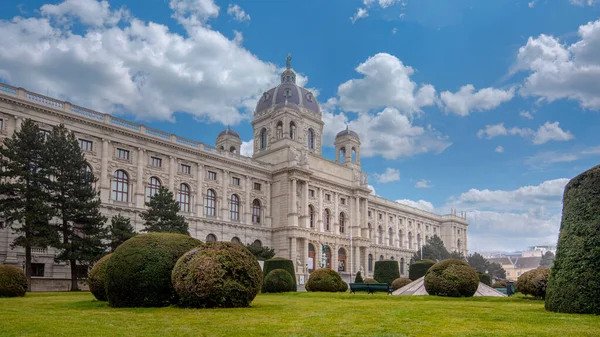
x=327 y=280
x=138 y=274
x=278 y=281
x=452 y=278
x=386 y=271
x=358 y=278
x=574 y=284
x=419 y=268
x=400 y=282
x=280 y=263
x=217 y=275
x=96 y=278
x=13 y=282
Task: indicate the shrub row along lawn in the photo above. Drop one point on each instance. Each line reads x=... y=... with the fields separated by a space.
x=293 y=314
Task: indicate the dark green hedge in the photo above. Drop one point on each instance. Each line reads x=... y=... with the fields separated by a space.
x=419 y=268
x=96 y=278
x=217 y=275
x=13 y=282
x=386 y=271
x=499 y=284
x=280 y=263
x=400 y=282
x=485 y=279
x=278 y=281
x=533 y=282
x=370 y=280
x=358 y=278
x=574 y=285
x=452 y=278
x=325 y=280
x=138 y=274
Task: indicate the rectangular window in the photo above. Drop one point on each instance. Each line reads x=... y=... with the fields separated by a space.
x=122 y=154
x=85 y=145
x=343 y=201
x=212 y=175
x=391 y=219
x=155 y=162
x=257 y=186
x=380 y=216
x=311 y=193
x=44 y=133
x=186 y=169
x=37 y=269
x=1 y=124
x=369 y=213
x=328 y=197
x=235 y=181
x=400 y=221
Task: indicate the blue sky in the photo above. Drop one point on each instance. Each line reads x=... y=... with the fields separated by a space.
x=488 y=107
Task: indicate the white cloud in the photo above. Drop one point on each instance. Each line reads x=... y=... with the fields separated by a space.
x=247 y=148
x=390 y=175
x=466 y=100
x=531 y=4
x=561 y=71
x=423 y=184
x=546 y=158
x=373 y=192
x=88 y=12
x=499 y=149
x=238 y=13
x=386 y=82
x=394 y=31
x=140 y=67
x=421 y=204
x=360 y=14
x=582 y=3
x=545 y=133
x=526 y=114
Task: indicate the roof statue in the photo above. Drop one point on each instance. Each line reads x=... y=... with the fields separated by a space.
x=288 y=61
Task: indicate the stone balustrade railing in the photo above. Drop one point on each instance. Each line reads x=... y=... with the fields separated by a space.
x=416 y=211
x=64 y=106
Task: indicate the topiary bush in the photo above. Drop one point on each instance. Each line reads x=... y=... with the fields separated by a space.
x=325 y=280
x=217 y=275
x=419 y=268
x=370 y=280
x=386 y=271
x=574 y=285
x=278 y=281
x=533 y=282
x=358 y=278
x=138 y=274
x=280 y=263
x=96 y=278
x=499 y=284
x=452 y=278
x=13 y=282
x=485 y=279
x=400 y=282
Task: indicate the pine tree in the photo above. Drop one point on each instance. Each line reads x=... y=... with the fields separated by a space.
x=478 y=262
x=120 y=230
x=24 y=180
x=76 y=203
x=161 y=214
x=433 y=249
x=547 y=260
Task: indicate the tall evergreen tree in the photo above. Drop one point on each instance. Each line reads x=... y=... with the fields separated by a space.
x=24 y=180
x=547 y=260
x=161 y=214
x=120 y=230
x=496 y=271
x=76 y=203
x=433 y=249
x=478 y=262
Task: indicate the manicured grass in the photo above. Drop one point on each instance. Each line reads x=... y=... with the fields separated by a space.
x=293 y=314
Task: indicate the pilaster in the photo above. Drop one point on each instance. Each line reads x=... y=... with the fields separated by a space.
x=200 y=190
x=139 y=191
x=104 y=174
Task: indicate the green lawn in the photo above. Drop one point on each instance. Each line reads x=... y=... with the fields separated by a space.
x=294 y=314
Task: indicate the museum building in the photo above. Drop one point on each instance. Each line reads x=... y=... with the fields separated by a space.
x=315 y=211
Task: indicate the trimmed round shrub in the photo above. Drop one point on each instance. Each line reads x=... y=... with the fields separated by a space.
x=400 y=282
x=419 y=268
x=499 y=284
x=485 y=279
x=370 y=280
x=217 y=275
x=327 y=280
x=574 y=285
x=358 y=278
x=386 y=271
x=13 y=282
x=138 y=274
x=96 y=278
x=452 y=278
x=278 y=281
x=533 y=282
x=280 y=263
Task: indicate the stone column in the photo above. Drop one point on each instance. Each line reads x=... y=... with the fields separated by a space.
x=104 y=174
x=224 y=196
x=140 y=197
x=318 y=255
x=293 y=254
x=319 y=211
x=305 y=207
x=199 y=190
x=357 y=222
x=248 y=203
x=334 y=258
x=172 y=170
x=293 y=213
x=366 y=214
x=334 y=217
x=268 y=206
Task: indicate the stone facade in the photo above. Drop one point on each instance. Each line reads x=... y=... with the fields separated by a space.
x=312 y=210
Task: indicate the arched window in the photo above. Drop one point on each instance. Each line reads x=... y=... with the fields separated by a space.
x=120 y=186
x=342 y=154
x=400 y=238
x=263 y=139
x=326 y=219
x=381 y=258
x=341 y=259
x=380 y=235
x=235 y=239
x=390 y=236
x=256 y=211
x=311 y=139
x=370 y=262
x=257 y=243
x=232 y=149
x=279 y=128
x=210 y=203
x=234 y=207
x=353 y=155
x=183 y=197
x=152 y=188
x=87 y=175
x=391 y=257
x=342 y=223
x=311 y=214
x=402 y=266
x=292 y=130
x=211 y=238
x=312 y=257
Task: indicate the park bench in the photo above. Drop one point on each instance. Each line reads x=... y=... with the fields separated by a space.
x=370 y=288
